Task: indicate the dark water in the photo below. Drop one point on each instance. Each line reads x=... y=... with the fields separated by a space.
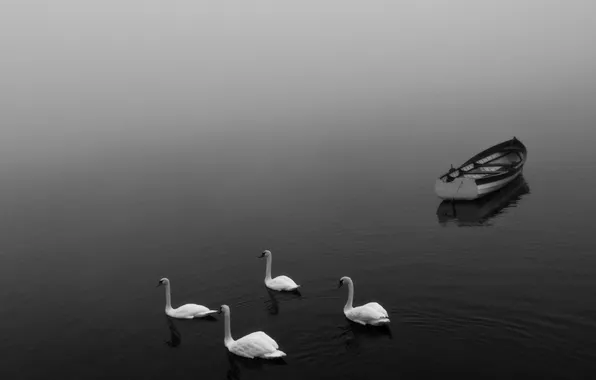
x=508 y=290
x=142 y=140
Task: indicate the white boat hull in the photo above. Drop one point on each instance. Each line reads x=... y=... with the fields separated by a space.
x=467 y=189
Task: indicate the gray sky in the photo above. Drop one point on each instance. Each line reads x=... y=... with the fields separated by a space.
x=73 y=68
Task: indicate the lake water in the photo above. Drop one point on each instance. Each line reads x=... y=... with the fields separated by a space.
x=142 y=141
x=507 y=293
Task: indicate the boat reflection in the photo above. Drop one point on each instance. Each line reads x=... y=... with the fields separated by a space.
x=481 y=211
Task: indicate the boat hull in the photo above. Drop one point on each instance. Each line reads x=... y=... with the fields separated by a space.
x=481 y=211
x=468 y=189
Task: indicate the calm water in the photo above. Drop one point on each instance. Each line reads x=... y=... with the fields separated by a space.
x=500 y=292
x=143 y=140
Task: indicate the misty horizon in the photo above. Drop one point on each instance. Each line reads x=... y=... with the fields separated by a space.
x=75 y=73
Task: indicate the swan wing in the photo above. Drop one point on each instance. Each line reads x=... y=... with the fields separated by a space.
x=257 y=344
x=282 y=283
x=264 y=337
x=191 y=310
x=365 y=314
x=378 y=307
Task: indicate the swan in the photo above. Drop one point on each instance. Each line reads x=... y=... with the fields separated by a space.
x=280 y=283
x=188 y=311
x=255 y=345
x=370 y=314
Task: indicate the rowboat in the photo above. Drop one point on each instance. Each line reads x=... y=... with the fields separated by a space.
x=481 y=211
x=484 y=173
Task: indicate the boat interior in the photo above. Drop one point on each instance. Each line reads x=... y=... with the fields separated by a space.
x=491 y=165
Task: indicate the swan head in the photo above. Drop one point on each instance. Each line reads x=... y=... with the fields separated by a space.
x=224 y=309
x=265 y=253
x=341 y=281
x=163 y=281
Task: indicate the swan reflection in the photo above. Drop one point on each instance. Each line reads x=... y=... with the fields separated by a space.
x=272 y=303
x=237 y=364
x=481 y=211
x=356 y=334
x=175 y=337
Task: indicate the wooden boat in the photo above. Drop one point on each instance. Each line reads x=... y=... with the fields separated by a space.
x=481 y=211
x=484 y=173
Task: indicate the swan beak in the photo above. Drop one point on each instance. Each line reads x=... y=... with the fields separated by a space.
x=158 y=284
x=340 y=284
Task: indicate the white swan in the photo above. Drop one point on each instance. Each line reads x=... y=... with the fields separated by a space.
x=188 y=311
x=372 y=313
x=280 y=283
x=255 y=345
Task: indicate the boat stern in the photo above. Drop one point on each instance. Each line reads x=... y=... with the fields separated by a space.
x=458 y=189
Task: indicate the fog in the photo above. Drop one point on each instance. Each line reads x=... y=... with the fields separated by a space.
x=76 y=75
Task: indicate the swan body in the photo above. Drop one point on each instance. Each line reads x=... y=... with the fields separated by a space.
x=255 y=345
x=369 y=314
x=279 y=283
x=188 y=311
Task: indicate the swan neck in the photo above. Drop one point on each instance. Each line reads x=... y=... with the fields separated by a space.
x=168 y=297
x=350 y=295
x=228 y=332
x=268 y=270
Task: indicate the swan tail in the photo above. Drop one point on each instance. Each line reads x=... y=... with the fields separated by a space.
x=274 y=354
x=382 y=321
x=206 y=313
